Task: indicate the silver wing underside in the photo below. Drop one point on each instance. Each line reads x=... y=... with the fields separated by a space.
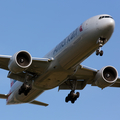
x=38 y=66
x=84 y=76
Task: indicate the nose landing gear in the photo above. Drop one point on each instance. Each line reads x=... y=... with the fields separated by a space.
x=101 y=41
x=99 y=52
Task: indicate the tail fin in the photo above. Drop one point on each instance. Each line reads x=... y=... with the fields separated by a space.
x=12 y=81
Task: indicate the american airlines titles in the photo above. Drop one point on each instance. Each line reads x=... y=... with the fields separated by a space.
x=65 y=41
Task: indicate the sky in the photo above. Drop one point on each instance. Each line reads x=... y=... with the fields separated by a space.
x=37 y=27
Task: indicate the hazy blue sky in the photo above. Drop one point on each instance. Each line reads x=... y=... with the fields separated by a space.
x=39 y=25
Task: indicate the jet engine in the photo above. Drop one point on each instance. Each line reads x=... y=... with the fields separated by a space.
x=106 y=76
x=20 y=61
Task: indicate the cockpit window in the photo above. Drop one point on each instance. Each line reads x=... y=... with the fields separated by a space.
x=105 y=17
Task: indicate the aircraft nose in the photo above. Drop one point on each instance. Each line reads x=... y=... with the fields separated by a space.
x=110 y=24
x=107 y=24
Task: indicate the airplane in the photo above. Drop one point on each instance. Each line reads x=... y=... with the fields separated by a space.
x=61 y=67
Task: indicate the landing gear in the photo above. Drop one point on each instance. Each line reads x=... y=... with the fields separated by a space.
x=25 y=88
x=99 y=52
x=101 y=41
x=27 y=85
x=72 y=96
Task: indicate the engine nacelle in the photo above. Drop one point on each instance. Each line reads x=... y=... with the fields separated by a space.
x=106 y=76
x=20 y=61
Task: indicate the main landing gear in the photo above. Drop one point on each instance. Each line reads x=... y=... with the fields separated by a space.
x=27 y=85
x=100 y=42
x=72 y=96
x=25 y=88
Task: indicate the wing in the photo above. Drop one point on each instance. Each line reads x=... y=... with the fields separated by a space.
x=3 y=96
x=38 y=103
x=116 y=84
x=84 y=75
x=38 y=66
x=4 y=60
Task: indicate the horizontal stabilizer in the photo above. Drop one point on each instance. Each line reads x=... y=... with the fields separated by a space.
x=38 y=103
x=3 y=96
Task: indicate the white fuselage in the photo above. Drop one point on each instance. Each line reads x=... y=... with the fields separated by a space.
x=73 y=50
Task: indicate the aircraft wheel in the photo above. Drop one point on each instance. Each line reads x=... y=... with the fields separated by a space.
x=72 y=97
x=71 y=94
x=23 y=87
x=101 y=53
x=26 y=93
x=78 y=94
x=20 y=91
x=73 y=100
x=67 y=99
x=97 y=52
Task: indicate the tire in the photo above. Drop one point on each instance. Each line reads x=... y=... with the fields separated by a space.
x=101 y=53
x=19 y=92
x=23 y=87
x=97 y=52
x=73 y=100
x=78 y=94
x=67 y=99
x=71 y=94
x=25 y=93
